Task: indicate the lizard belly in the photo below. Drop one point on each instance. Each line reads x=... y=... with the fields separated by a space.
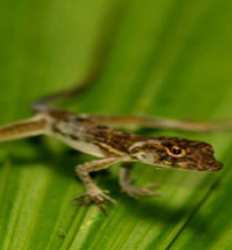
x=83 y=139
x=88 y=148
x=85 y=147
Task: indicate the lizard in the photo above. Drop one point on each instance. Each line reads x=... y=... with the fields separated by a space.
x=96 y=136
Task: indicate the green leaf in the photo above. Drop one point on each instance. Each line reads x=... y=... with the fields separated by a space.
x=166 y=58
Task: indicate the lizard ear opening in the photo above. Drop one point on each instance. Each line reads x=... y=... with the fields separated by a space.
x=145 y=151
x=145 y=157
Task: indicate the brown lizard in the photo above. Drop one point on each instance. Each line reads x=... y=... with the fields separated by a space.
x=94 y=135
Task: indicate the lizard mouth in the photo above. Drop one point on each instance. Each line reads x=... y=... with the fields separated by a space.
x=215 y=166
x=212 y=165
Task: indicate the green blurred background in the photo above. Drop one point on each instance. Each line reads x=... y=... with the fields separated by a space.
x=170 y=58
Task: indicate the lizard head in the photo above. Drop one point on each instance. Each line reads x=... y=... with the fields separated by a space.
x=176 y=153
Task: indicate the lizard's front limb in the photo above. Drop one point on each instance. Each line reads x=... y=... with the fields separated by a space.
x=162 y=123
x=93 y=192
x=129 y=188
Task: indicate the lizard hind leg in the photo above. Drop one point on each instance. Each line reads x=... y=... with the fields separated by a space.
x=35 y=126
x=132 y=121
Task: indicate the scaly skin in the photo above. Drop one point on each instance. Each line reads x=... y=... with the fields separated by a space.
x=113 y=146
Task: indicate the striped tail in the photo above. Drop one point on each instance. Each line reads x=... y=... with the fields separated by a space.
x=23 y=129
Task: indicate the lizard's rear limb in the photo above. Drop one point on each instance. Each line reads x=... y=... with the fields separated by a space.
x=162 y=123
x=27 y=128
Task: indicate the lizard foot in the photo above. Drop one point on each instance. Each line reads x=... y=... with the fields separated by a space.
x=136 y=192
x=96 y=196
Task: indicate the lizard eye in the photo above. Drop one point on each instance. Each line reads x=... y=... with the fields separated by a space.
x=175 y=151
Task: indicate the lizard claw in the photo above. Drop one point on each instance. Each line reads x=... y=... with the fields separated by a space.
x=136 y=192
x=96 y=196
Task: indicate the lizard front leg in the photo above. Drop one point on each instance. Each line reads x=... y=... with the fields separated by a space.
x=93 y=192
x=129 y=188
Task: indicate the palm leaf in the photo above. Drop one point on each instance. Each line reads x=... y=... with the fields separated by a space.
x=165 y=58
